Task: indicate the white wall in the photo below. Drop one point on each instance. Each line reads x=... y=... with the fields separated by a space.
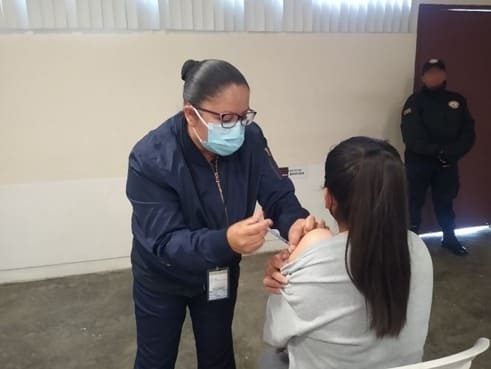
x=72 y=106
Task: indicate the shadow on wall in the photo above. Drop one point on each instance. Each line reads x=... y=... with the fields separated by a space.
x=392 y=127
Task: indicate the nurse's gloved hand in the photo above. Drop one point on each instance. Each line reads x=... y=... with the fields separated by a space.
x=247 y=236
x=301 y=227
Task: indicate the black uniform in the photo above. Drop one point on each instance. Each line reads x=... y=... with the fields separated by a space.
x=438 y=131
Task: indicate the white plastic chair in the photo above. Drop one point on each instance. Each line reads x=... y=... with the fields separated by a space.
x=462 y=360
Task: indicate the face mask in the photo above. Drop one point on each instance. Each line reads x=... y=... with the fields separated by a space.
x=222 y=141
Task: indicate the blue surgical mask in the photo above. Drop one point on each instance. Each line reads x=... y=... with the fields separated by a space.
x=222 y=141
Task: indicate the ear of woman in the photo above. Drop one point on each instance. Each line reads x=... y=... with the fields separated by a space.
x=190 y=115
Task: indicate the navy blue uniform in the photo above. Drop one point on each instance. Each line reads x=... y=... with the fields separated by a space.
x=438 y=131
x=182 y=207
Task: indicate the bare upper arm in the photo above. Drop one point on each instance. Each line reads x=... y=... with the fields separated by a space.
x=308 y=240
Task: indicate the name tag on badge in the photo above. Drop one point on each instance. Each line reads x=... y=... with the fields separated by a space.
x=218 y=288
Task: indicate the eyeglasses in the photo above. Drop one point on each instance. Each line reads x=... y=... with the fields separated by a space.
x=229 y=120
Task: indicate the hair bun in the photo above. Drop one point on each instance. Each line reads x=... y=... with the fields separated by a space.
x=188 y=67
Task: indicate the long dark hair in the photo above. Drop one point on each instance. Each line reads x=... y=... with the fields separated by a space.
x=205 y=79
x=366 y=178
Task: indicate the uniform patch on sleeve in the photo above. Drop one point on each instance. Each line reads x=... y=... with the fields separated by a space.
x=454 y=104
x=407 y=111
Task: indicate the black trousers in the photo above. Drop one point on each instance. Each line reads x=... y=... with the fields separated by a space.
x=444 y=184
x=159 y=320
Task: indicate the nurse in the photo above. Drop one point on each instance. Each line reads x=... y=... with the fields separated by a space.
x=193 y=184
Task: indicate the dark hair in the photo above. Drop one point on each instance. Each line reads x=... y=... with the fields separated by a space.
x=205 y=79
x=366 y=178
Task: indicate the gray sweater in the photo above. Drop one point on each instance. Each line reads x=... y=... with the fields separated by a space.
x=322 y=318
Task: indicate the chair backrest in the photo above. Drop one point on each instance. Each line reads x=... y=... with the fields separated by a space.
x=462 y=360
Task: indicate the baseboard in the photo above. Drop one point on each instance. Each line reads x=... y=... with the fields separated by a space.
x=88 y=267
x=63 y=270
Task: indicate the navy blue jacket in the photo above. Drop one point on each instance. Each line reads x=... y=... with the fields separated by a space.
x=179 y=220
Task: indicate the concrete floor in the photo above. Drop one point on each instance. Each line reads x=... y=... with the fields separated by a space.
x=87 y=321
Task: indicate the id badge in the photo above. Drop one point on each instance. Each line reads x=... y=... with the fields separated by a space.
x=218 y=284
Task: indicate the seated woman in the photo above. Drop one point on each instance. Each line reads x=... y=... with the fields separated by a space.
x=362 y=298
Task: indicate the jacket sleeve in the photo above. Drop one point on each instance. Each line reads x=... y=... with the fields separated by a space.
x=158 y=225
x=277 y=195
x=456 y=150
x=414 y=134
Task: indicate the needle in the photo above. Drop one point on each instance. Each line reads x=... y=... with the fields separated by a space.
x=277 y=235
